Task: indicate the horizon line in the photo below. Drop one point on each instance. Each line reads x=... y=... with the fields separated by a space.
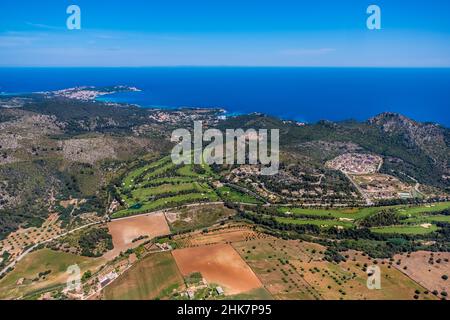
x=225 y=66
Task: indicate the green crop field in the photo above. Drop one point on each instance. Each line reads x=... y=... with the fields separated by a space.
x=153 y=277
x=351 y=213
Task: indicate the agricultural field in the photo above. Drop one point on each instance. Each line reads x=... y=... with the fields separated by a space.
x=297 y=270
x=42 y=270
x=220 y=265
x=131 y=232
x=155 y=276
x=161 y=199
x=414 y=219
x=270 y=258
x=428 y=269
x=348 y=280
x=92 y=184
x=15 y=243
x=198 y=217
x=259 y=266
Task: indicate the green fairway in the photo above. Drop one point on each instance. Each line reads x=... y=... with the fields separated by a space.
x=319 y=223
x=230 y=194
x=427 y=218
x=417 y=210
x=350 y=213
x=360 y=213
x=162 y=184
x=255 y=294
x=166 y=189
x=168 y=202
x=130 y=179
x=55 y=263
x=171 y=180
x=405 y=229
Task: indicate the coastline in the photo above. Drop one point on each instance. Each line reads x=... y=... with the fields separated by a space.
x=306 y=95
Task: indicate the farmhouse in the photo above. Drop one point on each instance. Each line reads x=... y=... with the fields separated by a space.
x=107 y=279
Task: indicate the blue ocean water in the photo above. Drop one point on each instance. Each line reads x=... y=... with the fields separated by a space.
x=303 y=94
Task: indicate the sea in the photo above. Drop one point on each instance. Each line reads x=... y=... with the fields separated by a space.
x=302 y=94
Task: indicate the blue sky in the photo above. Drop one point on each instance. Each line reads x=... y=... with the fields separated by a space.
x=414 y=33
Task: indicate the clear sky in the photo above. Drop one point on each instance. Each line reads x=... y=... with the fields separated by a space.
x=415 y=33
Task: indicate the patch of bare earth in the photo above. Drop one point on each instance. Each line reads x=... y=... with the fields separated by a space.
x=125 y=232
x=426 y=268
x=219 y=264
